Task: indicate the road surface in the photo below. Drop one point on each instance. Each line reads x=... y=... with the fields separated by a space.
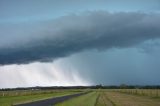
x=51 y=101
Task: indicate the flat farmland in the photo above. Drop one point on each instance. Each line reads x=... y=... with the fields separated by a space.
x=113 y=98
x=84 y=100
x=120 y=97
x=8 y=98
x=97 y=97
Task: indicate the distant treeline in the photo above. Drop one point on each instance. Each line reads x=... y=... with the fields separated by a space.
x=123 y=86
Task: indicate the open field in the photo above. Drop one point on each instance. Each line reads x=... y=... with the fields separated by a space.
x=98 y=97
x=7 y=98
x=85 y=100
x=120 y=97
x=111 y=98
x=141 y=92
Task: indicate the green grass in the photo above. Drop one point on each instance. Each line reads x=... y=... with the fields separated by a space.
x=98 y=97
x=111 y=97
x=9 y=100
x=84 y=100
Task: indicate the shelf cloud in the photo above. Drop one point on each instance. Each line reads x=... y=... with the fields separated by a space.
x=48 y=40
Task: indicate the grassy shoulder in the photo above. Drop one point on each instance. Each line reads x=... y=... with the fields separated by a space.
x=10 y=100
x=84 y=100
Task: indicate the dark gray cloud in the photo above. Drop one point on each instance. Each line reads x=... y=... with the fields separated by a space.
x=66 y=35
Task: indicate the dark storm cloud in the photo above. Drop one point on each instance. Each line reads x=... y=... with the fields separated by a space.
x=74 y=33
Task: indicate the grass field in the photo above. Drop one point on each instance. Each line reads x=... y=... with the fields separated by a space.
x=7 y=98
x=119 y=97
x=123 y=99
x=142 y=92
x=98 y=97
x=85 y=100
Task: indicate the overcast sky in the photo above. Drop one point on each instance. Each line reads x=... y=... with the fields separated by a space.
x=85 y=42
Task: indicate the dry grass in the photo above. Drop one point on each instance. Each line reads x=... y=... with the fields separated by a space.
x=141 y=92
x=103 y=100
x=121 y=99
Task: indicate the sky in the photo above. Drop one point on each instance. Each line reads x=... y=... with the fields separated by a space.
x=85 y=42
